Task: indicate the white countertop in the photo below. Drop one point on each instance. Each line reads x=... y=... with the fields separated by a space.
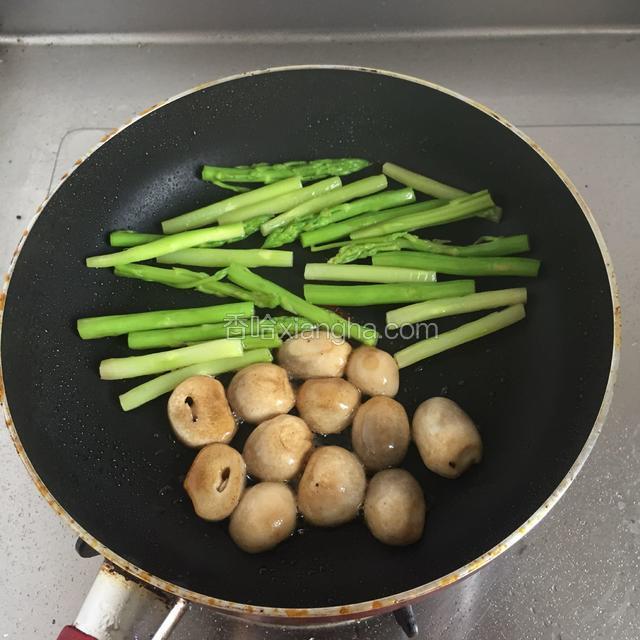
x=575 y=575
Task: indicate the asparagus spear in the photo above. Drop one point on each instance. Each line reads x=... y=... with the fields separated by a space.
x=134 y=366
x=369 y=294
x=421 y=183
x=488 y=246
x=365 y=273
x=206 y=215
x=344 y=211
x=261 y=342
x=168 y=244
x=465 y=333
x=267 y=173
x=453 y=265
x=453 y=306
x=451 y=212
x=348 y=243
x=281 y=203
x=185 y=279
x=232 y=187
x=376 y=202
x=183 y=336
x=226 y=257
x=294 y=304
x=167 y=382
x=485 y=246
x=253 y=225
x=105 y=326
x=126 y=238
x=357 y=189
x=344 y=228
x=492 y=213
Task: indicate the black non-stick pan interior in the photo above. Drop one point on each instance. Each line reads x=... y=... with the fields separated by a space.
x=534 y=389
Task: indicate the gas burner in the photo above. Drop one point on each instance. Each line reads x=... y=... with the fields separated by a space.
x=140 y=610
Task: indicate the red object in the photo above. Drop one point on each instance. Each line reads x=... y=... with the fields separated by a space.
x=71 y=633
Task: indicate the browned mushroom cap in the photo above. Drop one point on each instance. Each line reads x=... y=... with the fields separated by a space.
x=314 y=354
x=373 y=371
x=447 y=439
x=332 y=487
x=277 y=449
x=260 y=391
x=380 y=434
x=265 y=516
x=327 y=405
x=394 y=507
x=215 y=481
x=199 y=412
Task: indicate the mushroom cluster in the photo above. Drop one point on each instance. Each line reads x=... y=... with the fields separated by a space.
x=289 y=467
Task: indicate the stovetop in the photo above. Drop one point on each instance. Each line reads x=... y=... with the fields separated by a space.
x=576 y=91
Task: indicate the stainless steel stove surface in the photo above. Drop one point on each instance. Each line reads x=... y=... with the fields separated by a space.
x=570 y=78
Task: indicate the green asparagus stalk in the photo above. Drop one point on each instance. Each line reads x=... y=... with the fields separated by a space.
x=149 y=364
x=494 y=214
x=185 y=279
x=177 y=278
x=126 y=238
x=376 y=202
x=348 y=243
x=267 y=173
x=105 y=326
x=421 y=183
x=280 y=203
x=451 y=212
x=465 y=333
x=456 y=266
x=357 y=189
x=453 y=306
x=365 y=273
x=226 y=257
x=239 y=328
x=209 y=214
x=344 y=211
x=167 y=244
x=485 y=246
x=252 y=225
x=344 y=228
x=294 y=304
x=167 y=382
x=370 y=294
x=232 y=187
x=260 y=342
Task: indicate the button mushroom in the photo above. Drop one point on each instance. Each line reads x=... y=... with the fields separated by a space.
x=277 y=449
x=373 y=371
x=327 y=405
x=260 y=391
x=380 y=434
x=215 y=481
x=332 y=487
x=199 y=412
x=394 y=507
x=265 y=517
x=314 y=354
x=447 y=439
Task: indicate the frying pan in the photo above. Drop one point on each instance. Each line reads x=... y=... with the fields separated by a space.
x=538 y=390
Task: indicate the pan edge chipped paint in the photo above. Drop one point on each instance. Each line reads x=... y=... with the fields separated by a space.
x=379 y=605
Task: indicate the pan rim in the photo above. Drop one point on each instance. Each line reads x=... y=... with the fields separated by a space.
x=384 y=603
